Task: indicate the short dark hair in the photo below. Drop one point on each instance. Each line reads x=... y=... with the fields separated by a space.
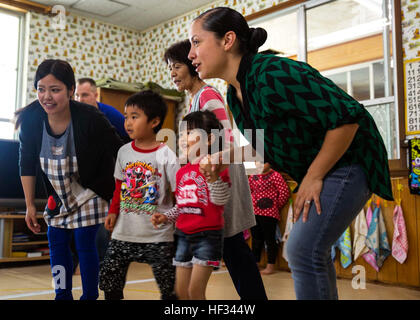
x=207 y=121
x=89 y=80
x=178 y=52
x=152 y=105
x=60 y=69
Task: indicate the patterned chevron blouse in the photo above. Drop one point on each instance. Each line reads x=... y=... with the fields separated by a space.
x=296 y=106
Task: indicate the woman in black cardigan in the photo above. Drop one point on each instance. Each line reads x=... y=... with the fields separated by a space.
x=74 y=146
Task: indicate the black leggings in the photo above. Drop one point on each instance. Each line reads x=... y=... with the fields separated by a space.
x=264 y=232
x=112 y=275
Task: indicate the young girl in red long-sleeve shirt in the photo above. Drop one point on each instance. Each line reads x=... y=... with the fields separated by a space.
x=199 y=209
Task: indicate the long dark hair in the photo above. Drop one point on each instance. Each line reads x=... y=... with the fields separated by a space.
x=60 y=69
x=223 y=19
x=178 y=52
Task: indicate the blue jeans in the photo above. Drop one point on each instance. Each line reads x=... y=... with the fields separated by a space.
x=204 y=248
x=344 y=193
x=62 y=262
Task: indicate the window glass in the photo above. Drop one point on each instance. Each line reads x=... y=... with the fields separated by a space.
x=8 y=71
x=379 y=79
x=351 y=19
x=360 y=84
x=281 y=34
x=340 y=79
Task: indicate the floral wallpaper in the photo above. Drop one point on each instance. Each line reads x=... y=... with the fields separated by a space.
x=410 y=20
x=98 y=50
x=94 y=49
x=155 y=41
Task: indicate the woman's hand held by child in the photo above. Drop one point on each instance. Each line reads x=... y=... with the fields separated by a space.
x=212 y=165
x=110 y=221
x=158 y=219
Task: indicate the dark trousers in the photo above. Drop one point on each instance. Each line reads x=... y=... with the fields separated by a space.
x=62 y=264
x=243 y=269
x=264 y=232
x=102 y=240
x=113 y=274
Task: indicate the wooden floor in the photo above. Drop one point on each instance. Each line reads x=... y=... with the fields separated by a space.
x=35 y=283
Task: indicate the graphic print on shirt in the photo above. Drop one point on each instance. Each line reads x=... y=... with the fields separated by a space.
x=140 y=188
x=191 y=193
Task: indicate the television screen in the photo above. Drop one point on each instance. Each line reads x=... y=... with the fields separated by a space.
x=11 y=192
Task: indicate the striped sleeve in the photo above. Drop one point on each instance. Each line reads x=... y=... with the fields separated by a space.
x=212 y=101
x=172 y=214
x=219 y=191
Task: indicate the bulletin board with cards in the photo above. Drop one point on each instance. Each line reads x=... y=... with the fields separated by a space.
x=412 y=96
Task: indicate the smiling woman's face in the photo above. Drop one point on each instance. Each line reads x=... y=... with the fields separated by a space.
x=53 y=95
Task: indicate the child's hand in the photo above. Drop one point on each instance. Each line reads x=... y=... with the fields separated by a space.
x=110 y=221
x=157 y=219
x=212 y=165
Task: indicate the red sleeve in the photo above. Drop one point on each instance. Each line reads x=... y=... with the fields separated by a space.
x=282 y=188
x=224 y=175
x=115 y=202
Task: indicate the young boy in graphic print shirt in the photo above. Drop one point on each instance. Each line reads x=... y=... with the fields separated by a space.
x=145 y=179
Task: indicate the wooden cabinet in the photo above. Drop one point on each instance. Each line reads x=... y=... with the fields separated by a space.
x=117 y=99
x=12 y=224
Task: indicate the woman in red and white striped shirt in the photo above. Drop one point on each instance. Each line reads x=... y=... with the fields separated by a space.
x=238 y=212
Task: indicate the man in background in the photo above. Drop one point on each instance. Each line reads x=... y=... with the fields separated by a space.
x=86 y=92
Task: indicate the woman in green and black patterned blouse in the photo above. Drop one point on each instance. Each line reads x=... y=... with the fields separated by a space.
x=314 y=131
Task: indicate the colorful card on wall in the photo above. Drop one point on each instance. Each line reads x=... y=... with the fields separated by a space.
x=414 y=158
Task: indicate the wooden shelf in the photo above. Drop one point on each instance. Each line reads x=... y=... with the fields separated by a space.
x=29 y=243
x=24 y=259
x=12 y=222
x=18 y=216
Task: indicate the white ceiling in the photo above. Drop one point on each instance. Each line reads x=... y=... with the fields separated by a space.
x=133 y=14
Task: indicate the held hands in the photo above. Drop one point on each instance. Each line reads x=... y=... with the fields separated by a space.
x=308 y=193
x=110 y=220
x=212 y=165
x=158 y=219
x=31 y=220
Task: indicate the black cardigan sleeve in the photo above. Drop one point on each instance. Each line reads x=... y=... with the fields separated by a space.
x=30 y=139
x=97 y=144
